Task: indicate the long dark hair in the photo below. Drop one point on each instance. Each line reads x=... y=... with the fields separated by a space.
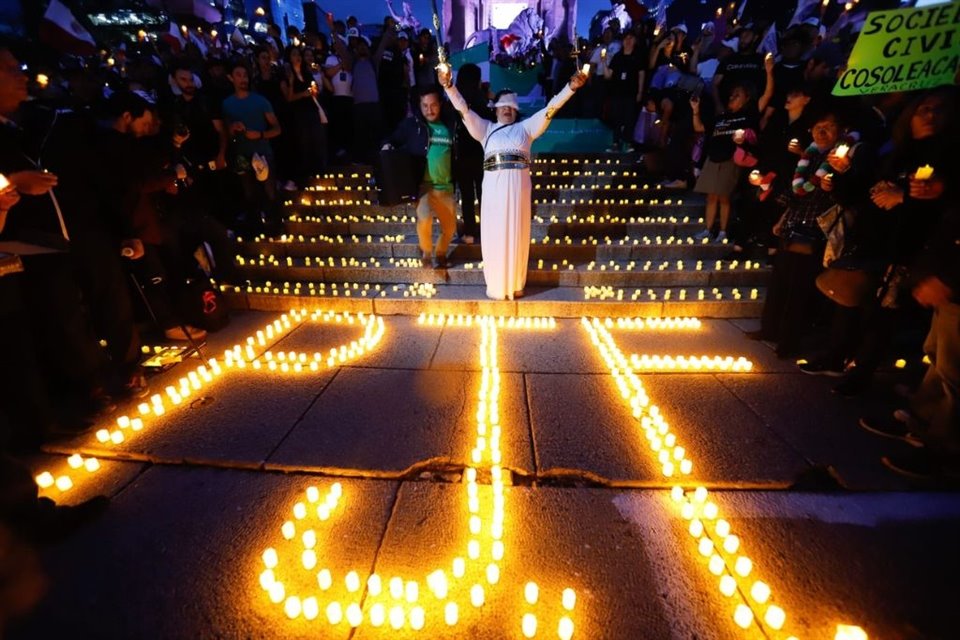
x=902 y=131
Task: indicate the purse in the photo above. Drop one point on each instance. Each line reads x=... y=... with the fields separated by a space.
x=847 y=284
x=802 y=244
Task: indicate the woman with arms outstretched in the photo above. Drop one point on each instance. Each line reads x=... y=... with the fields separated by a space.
x=505 y=213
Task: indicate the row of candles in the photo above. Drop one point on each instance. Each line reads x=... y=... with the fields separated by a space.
x=337 y=290
x=572 y=218
x=330 y=262
x=591 y=201
x=607 y=292
x=715 y=540
x=64 y=476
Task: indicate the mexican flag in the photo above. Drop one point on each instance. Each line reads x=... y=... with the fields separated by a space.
x=59 y=29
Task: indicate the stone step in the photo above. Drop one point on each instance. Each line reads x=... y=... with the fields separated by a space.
x=610 y=227
x=546 y=273
x=560 y=302
x=405 y=246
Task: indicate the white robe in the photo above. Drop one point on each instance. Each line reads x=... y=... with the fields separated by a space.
x=505 y=209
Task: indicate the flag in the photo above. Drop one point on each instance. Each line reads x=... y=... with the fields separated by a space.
x=197 y=40
x=740 y=11
x=174 y=38
x=60 y=30
x=803 y=11
x=769 y=42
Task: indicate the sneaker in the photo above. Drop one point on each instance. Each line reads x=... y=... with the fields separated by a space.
x=892 y=428
x=823 y=367
x=186 y=332
x=289 y=185
x=721 y=237
x=441 y=262
x=701 y=236
x=674 y=184
x=916 y=465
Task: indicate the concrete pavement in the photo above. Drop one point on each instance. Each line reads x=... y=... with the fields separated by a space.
x=203 y=490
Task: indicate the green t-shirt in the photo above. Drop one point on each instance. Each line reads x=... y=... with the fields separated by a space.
x=438 y=174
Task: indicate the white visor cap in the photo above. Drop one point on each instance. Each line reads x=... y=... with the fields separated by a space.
x=507 y=100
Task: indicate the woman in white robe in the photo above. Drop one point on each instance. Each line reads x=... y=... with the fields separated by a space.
x=505 y=210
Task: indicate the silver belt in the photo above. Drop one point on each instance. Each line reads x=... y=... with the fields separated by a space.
x=499 y=161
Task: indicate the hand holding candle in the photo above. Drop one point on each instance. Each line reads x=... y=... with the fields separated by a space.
x=794 y=147
x=739 y=136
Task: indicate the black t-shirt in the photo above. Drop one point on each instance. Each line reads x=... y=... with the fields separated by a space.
x=197 y=115
x=742 y=68
x=787 y=76
x=719 y=145
x=774 y=141
x=625 y=78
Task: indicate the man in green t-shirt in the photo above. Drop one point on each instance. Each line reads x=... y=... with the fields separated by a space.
x=428 y=136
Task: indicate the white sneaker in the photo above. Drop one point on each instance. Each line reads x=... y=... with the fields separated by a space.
x=703 y=235
x=721 y=237
x=289 y=185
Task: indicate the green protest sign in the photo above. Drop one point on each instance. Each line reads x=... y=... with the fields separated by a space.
x=904 y=50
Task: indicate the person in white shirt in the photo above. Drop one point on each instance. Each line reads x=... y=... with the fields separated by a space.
x=505 y=212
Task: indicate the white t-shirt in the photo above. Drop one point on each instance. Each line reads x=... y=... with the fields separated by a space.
x=612 y=50
x=343 y=81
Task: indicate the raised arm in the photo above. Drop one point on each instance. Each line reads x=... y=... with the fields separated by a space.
x=768 y=64
x=476 y=125
x=536 y=124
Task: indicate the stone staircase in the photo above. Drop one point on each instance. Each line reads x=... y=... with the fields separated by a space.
x=605 y=241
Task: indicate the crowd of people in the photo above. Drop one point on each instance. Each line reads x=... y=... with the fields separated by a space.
x=179 y=149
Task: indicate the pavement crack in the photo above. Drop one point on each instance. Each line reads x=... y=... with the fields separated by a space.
x=303 y=414
x=529 y=410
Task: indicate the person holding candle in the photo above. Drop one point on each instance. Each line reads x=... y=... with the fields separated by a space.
x=720 y=173
x=792 y=294
x=505 y=214
x=903 y=211
x=307 y=118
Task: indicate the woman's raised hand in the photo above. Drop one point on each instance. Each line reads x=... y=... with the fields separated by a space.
x=445 y=74
x=577 y=80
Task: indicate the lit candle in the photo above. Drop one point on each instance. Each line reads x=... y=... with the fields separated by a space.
x=923 y=173
x=841 y=151
x=43 y=80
